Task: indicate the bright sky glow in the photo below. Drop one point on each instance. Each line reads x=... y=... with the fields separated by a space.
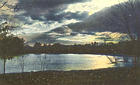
x=30 y=25
x=85 y=38
x=92 y=6
x=40 y=26
x=5 y=9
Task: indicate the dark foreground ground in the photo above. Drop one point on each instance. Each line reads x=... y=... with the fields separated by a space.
x=114 y=76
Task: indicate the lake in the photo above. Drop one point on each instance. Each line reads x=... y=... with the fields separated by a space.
x=62 y=62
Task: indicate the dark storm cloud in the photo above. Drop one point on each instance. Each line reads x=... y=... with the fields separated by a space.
x=51 y=16
x=45 y=3
x=36 y=6
x=54 y=17
x=47 y=10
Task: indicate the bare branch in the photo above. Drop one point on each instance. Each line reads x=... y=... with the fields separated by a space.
x=3 y=4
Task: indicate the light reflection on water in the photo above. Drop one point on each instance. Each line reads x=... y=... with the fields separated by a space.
x=65 y=62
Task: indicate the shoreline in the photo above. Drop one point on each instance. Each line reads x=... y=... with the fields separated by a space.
x=81 y=53
x=110 y=76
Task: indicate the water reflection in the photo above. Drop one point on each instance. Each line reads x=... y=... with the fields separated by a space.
x=65 y=62
x=4 y=59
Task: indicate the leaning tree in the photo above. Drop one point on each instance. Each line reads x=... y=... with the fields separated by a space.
x=10 y=45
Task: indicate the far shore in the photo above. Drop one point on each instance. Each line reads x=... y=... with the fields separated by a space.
x=126 y=48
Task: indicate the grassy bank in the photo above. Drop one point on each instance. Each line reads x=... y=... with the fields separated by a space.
x=113 y=76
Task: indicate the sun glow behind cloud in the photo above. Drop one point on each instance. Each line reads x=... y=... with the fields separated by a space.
x=89 y=7
x=30 y=25
x=114 y=37
x=92 y=6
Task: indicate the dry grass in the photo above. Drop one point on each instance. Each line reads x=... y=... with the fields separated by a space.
x=114 y=76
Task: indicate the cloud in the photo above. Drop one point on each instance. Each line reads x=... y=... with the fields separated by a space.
x=68 y=15
x=38 y=16
x=38 y=7
x=80 y=38
x=45 y=15
x=7 y=9
x=45 y=3
x=109 y=20
x=95 y=37
x=65 y=30
x=92 y=6
x=50 y=20
x=37 y=26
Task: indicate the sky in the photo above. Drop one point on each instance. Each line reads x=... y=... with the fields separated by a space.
x=36 y=20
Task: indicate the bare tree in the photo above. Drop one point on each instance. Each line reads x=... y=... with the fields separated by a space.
x=125 y=12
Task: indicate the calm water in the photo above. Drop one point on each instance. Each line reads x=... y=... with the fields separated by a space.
x=65 y=62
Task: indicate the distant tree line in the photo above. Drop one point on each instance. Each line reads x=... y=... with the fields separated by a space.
x=11 y=45
x=125 y=47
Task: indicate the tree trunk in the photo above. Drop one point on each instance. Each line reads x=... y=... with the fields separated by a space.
x=4 y=65
x=135 y=61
